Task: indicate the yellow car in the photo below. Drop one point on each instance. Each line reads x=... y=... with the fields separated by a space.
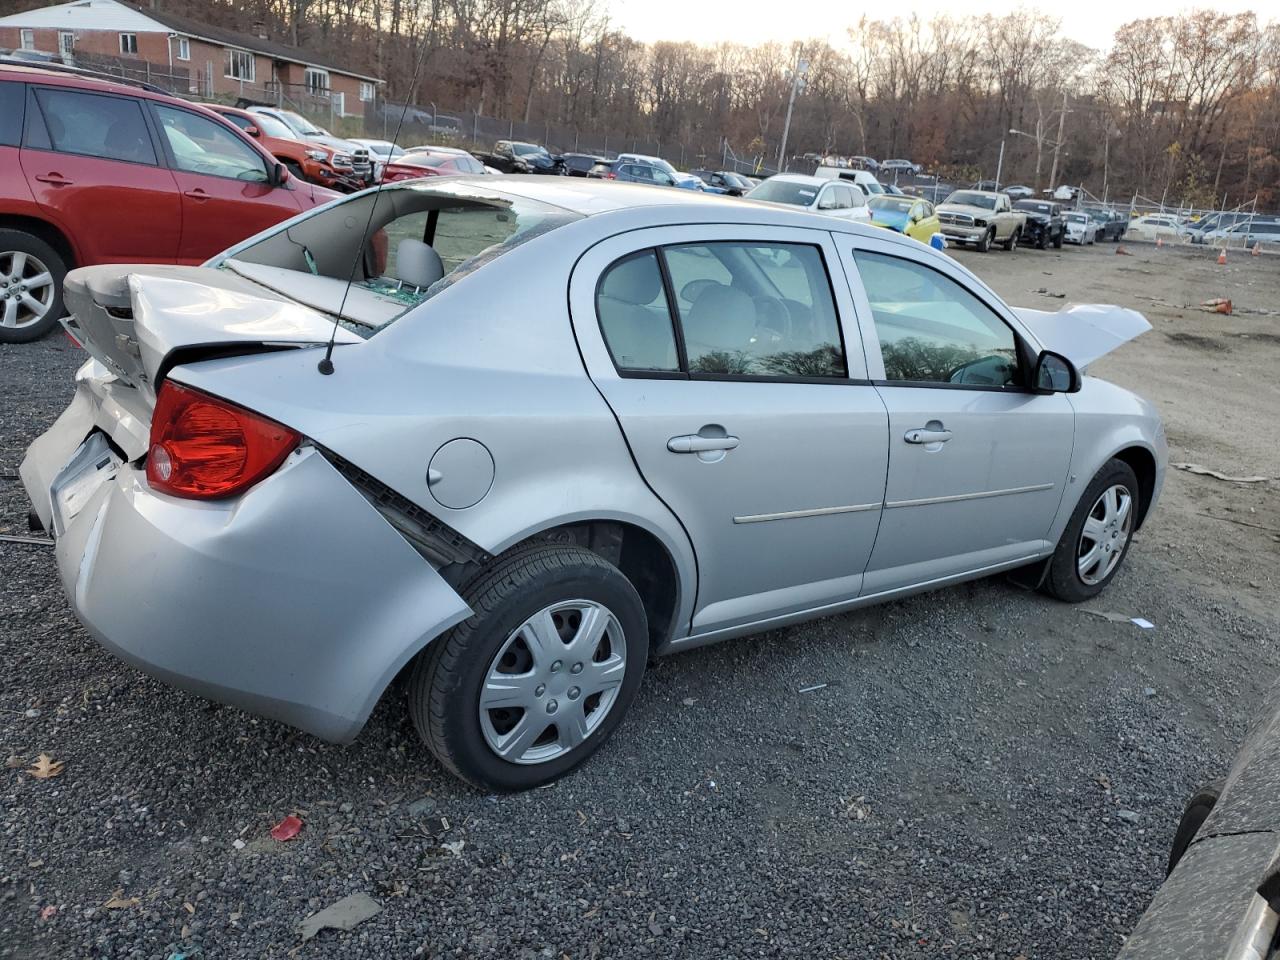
x=909 y=215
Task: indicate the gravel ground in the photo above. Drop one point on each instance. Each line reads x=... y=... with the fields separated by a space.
x=986 y=773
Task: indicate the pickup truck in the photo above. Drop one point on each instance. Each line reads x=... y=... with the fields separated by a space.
x=981 y=218
x=514 y=156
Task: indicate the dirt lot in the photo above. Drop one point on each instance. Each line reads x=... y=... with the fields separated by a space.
x=986 y=773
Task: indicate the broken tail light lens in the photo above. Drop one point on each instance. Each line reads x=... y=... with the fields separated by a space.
x=203 y=447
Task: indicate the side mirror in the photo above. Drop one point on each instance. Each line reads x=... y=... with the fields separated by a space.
x=253 y=131
x=279 y=175
x=1055 y=374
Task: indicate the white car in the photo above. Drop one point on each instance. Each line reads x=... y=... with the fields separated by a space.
x=866 y=181
x=380 y=151
x=1153 y=227
x=833 y=198
x=1081 y=228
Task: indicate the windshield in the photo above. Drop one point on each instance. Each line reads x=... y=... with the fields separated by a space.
x=526 y=149
x=422 y=239
x=872 y=188
x=273 y=127
x=1078 y=217
x=1034 y=206
x=785 y=191
x=971 y=199
x=891 y=204
x=301 y=124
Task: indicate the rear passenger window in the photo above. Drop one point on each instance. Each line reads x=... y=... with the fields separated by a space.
x=632 y=306
x=12 y=96
x=96 y=126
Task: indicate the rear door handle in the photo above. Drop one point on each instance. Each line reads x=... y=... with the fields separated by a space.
x=196 y=194
x=57 y=179
x=925 y=435
x=693 y=443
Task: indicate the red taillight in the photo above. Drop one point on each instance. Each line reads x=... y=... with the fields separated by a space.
x=203 y=447
x=611 y=176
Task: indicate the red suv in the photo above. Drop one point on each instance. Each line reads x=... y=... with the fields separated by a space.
x=93 y=171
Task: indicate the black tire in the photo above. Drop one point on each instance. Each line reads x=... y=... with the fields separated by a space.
x=1057 y=241
x=295 y=171
x=1042 y=241
x=19 y=241
x=1013 y=239
x=985 y=243
x=1193 y=817
x=444 y=690
x=1064 y=580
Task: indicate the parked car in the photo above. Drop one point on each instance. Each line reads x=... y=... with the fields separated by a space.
x=723 y=181
x=1110 y=223
x=686 y=181
x=981 y=218
x=514 y=156
x=580 y=164
x=833 y=198
x=896 y=167
x=453 y=151
x=345 y=153
x=95 y=171
x=989 y=186
x=870 y=164
x=380 y=152
x=1215 y=901
x=548 y=401
x=1214 y=223
x=1019 y=192
x=1155 y=227
x=935 y=193
x=1045 y=223
x=1065 y=193
x=307 y=160
x=865 y=181
x=437 y=164
x=1258 y=232
x=1081 y=228
x=909 y=215
x=633 y=171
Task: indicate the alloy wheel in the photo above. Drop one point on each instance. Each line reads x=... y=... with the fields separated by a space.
x=1104 y=535
x=27 y=289
x=553 y=682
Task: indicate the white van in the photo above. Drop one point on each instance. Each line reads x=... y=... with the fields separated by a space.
x=865 y=180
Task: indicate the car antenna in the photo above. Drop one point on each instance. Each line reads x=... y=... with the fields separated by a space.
x=325 y=366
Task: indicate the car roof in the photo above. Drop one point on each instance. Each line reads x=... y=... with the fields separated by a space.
x=71 y=78
x=802 y=179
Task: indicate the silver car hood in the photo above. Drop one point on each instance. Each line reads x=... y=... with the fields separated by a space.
x=132 y=318
x=1084 y=332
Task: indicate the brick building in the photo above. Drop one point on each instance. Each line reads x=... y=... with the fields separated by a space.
x=208 y=61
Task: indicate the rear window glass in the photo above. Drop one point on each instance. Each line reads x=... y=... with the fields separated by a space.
x=785 y=191
x=12 y=96
x=421 y=239
x=96 y=126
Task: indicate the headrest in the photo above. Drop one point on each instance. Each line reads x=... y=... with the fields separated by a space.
x=635 y=281
x=417 y=263
x=723 y=318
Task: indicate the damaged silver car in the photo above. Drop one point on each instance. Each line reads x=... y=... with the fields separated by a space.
x=566 y=425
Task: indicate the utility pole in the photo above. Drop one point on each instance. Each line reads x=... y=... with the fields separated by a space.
x=1000 y=164
x=1062 y=120
x=797 y=85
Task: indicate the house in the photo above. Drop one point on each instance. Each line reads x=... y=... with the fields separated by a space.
x=190 y=56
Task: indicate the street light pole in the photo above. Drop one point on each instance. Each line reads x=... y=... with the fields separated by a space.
x=797 y=83
x=1062 y=120
x=1000 y=164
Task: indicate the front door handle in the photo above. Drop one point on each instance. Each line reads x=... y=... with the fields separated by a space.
x=695 y=443
x=57 y=179
x=927 y=435
x=196 y=194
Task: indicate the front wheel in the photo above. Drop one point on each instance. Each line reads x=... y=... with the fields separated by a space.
x=985 y=243
x=1013 y=240
x=1057 y=241
x=1097 y=537
x=539 y=676
x=31 y=275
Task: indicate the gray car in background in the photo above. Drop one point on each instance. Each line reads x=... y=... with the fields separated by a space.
x=566 y=425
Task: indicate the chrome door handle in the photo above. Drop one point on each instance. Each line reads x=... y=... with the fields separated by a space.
x=693 y=443
x=925 y=435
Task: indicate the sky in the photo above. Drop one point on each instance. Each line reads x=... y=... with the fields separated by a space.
x=1092 y=22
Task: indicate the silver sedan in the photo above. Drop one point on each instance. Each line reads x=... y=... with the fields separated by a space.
x=512 y=440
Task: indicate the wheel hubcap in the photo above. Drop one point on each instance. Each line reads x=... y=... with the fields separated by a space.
x=1106 y=531
x=553 y=682
x=26 y=289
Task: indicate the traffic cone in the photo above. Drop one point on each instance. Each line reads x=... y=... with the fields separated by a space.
x=1257 y=249
x=1222 y=257
x=1122 y=252
x=1159 y=242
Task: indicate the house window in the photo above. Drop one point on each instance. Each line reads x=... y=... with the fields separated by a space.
x=339 y=104
x=27 y=39
x=316 y=80
x=66 y=43
x=368 y=91
x=184 y=48
x=240 y=65
x=129 y=43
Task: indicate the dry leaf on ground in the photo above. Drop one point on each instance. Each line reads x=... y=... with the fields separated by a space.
x=45 y=767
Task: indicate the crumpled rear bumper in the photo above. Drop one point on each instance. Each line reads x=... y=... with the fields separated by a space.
x=295 y=601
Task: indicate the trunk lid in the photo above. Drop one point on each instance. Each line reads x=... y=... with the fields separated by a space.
x=136 y=319
x=1084 y=332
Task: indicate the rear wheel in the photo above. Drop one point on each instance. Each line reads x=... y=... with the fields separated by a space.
x=1042 y=241
x=1194 y=815
x=1098 y=535
x=984 y=244
x=31 y=274
x=538 y=678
